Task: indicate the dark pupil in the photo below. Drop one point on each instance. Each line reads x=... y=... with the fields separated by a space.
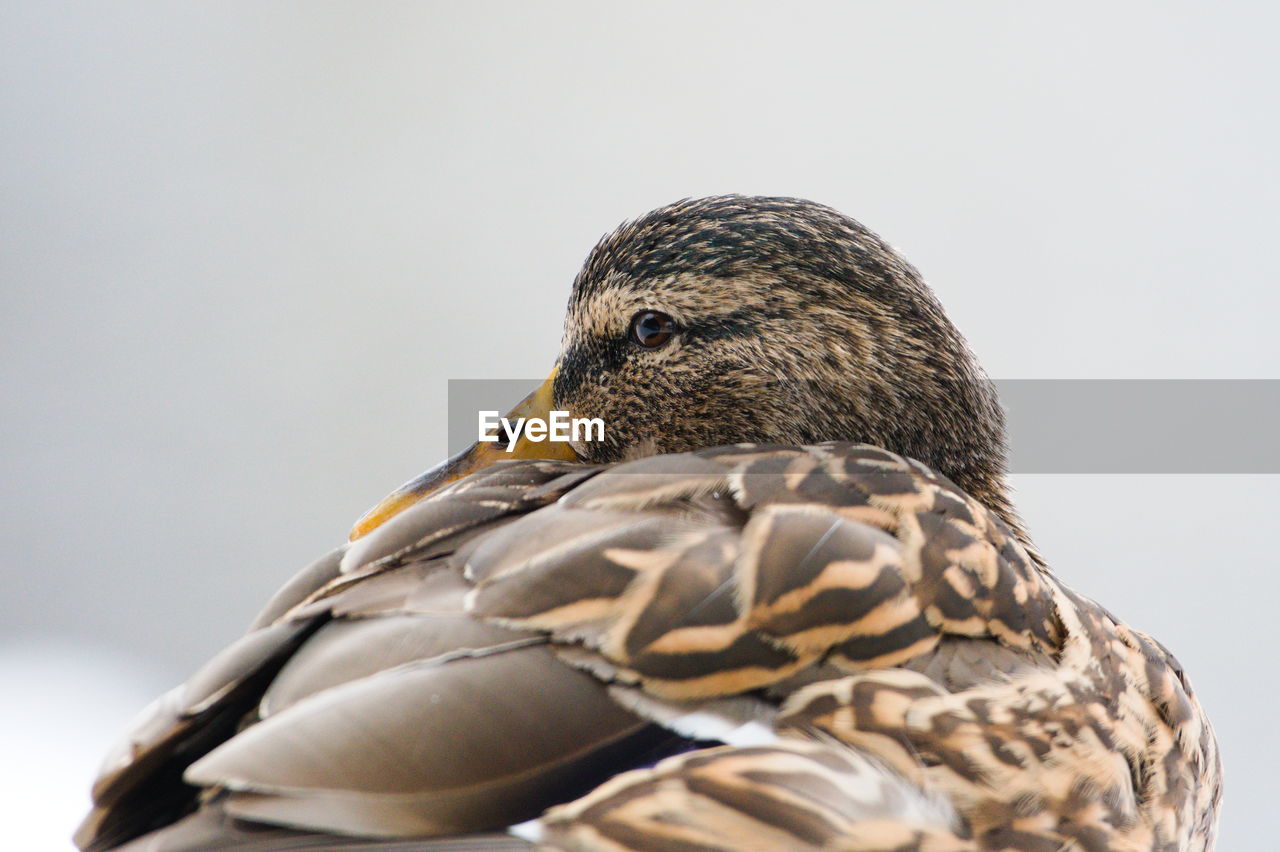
x=652 y=328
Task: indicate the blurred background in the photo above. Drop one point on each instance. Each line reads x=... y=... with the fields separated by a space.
x=243 y=247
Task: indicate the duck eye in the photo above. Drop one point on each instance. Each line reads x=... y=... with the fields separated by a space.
x=651 y=329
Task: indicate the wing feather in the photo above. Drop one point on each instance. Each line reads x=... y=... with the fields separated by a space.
x=511 y=641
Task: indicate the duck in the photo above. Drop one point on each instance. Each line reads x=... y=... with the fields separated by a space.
x=783 y=602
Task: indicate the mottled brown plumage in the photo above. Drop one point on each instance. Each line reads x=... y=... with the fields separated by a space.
x=798 y=326
x=823 y=643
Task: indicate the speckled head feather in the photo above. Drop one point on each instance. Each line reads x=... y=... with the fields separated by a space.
x=796 y=325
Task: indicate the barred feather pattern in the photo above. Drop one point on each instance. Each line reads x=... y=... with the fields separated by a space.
x=857 y=560
x=793 y=795
x=926 y=682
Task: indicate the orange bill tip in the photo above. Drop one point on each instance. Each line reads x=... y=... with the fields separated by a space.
x=475 y=458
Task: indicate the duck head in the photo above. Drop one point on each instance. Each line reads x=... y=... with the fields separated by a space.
x=737 y=319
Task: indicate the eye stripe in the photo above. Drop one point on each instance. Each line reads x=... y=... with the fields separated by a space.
x=734 y=324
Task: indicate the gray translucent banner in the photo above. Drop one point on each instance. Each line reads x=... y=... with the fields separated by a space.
x=1062 y=425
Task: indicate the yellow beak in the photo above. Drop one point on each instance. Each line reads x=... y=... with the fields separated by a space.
x=476 y=457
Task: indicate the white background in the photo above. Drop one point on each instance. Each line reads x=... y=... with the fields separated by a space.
x=244 y=245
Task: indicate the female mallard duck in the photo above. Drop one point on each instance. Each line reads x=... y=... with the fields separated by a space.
x=822 y=644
